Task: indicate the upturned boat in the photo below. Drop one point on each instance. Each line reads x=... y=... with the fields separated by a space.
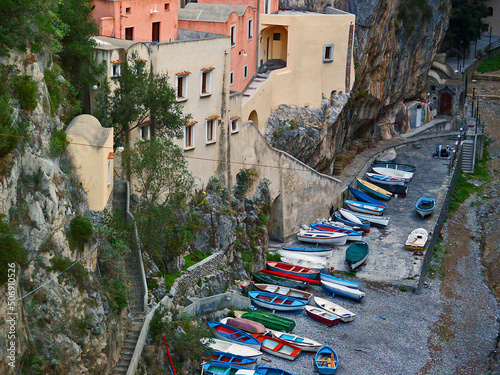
x=341 y=290
x=360 y=196
x=365 y=224
x=323 y=316
x=373 y=189
x=290 y=276
x=380 y=221
x=356 y=254
x=314 y=251
x=364 y=208
x=277 y=280
x=352 y=235
x=425 y=206
x=278 y=347
x=294 y=270
x=306 y=344
x=338 y=280
x=398 y=166
x=322 y=237
x=246 y=325
x=225 y=332
x=326 y=360
x=406 y=176
x=232 y=348
x=270 y=321
x=283 y=290
x=276 y=302
x=344 y=314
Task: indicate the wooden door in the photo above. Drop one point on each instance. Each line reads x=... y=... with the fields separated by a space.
x=156 y=32
x=445 y=104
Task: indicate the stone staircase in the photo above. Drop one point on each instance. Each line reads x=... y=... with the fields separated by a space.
x=262 y=76
x=468 y=156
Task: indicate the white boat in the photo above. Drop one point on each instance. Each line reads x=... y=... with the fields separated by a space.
x=229 y=347
x=342 y=290
x=284 y=291
x=305 y=253
x=316 y=263
x=349 y=215
x=417 y=239
x=338 y=280
x=344 y=314
x=407 y=176
x=306 y=344
x=342 y=225
x=374 y=177
x=322 y=237
x=381 y=221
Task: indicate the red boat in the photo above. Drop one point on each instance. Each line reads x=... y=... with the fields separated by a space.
x=294 y=270
x=278 y=347
x=292 y=277
x=323 y=316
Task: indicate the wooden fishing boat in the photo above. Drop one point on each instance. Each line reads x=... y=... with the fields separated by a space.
x=344 y=314
x=277 y=280
x=322 y=237
x=270 y=321
x=314 y=251
x=284 y=291
x=276 y=302
x=398 y=166
x=365 y=224
x=294 y=270
x=232 y=348
x=398 y=191
x=244 y=324
x=217 y=368
x=364 y=208
x=323 y=316
x=352 y=235
x=316 y=263
x=360 y=196
x=341 y=290
x=406 y=176
x=338 y=280
x=307 y=345
x=374 y=177
x=425 y=206
x=356 y=254
x=233 y=359
x=272 y=371
x=326 y=360
x=278 y=347
x=417 y=239
x=380 y=221
x=224 y=332
x=290 y=276
x=373 y=189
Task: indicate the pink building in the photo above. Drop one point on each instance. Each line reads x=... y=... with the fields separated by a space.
x=138 y=20
x=237 y=21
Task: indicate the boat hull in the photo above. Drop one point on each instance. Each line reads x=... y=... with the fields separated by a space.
x=356 y=254
x=326 y=360
x=365 y=208
x=307 y=345
x=323 y=316
x=322 y=237
x=380 y=221
x=338 y=280
x=294 y=270
x=319 y=252
x=272 y=371
x=365 y=226
x=342 y=290
x=223 y=368
x=276 y=302
x=406 y=176
x=360 y=196
x=398 y=191
x=398 y=166
x=344 y=314
x=232 y=348
x=278 y=347
x=374 y=177
x=276 y=280
x=270 y=321
x=225 y=332
x=352 y=235
x=417 y=239
x=290 y=276
x=233 y=359
x=373 y=189
x=425 y=206
x=285 y=291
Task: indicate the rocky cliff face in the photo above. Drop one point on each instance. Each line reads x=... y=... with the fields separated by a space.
x=396 y=42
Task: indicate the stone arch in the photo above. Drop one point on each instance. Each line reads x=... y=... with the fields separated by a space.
x=254 y=117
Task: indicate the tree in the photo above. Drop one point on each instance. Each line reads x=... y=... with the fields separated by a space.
x=140 y=97
x=465 y=25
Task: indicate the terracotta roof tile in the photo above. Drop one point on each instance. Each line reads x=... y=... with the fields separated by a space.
x=207 y=69
x=213 y=117
x=183 y=73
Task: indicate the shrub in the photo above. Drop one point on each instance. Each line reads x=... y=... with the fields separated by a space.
x=117 y=294
x=59 y=142
x=273 y=257
x=76 y=273
x=491 y=64
x=81 y=228
x=8 y=142
x=25 y=90
x=11 y=250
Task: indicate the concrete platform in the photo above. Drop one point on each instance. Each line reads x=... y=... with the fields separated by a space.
x=388 y=260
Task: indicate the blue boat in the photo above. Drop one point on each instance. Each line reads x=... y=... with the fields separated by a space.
x=373 y=189
x=226 y=332
x=352 y=235
x=425 y=206
x=360 y=196
x=338 y=280
x=365 y=224
x=272 y=371
x=229 y=358
x=364 y=207
x=276 y=302
x=326 y=360
x=217 y=368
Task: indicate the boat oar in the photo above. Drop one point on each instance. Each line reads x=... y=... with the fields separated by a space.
x=171 y=366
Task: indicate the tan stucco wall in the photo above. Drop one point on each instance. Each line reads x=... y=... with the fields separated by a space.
x=90 y=147
x=494 y=20
x=306 y=79
x=293 y=184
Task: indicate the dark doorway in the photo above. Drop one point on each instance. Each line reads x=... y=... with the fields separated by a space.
x=156 y=32
x=129 y=33
x=445 y=104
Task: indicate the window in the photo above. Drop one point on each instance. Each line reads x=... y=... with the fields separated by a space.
x=145 y=132
x=129 y=33
x=127 y=10
x=189 y=135
x=231 y=78
x=166 y=7
x=110 y=171
x=182 y=87
x=245 y=72
x=490 y=11
x=210 y=124
x=250 y=29
x=233 y=35
x=155 y=37
x=205 y=82
x=116 y=69
x=234 y=124
x=276 y=36
x=328 y=53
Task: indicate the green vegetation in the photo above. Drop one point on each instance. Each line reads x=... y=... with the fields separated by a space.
x=194 y=258
x=76 y=273
x=11 y=250
x=117 y=295
x=170 y=278
x=273 y=257
x=81 y=230
x=59 y=142
x=463 y=189
x=8 y=141
x=412 y=9
x=491 y=64
x=25 y=90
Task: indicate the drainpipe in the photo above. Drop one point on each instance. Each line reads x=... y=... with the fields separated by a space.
x=257 y=38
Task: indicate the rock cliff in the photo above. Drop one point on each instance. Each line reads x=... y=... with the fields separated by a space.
x=396 y=42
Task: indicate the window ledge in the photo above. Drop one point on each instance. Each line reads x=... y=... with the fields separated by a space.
x=205 y=95
x=189 y=148
x=235 y=131
x=327 y=61
x=180 y=100
x=211 y=142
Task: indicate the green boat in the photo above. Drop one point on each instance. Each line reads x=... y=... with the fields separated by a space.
x=276 y=280
x=270 y=321
x=356 y=253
